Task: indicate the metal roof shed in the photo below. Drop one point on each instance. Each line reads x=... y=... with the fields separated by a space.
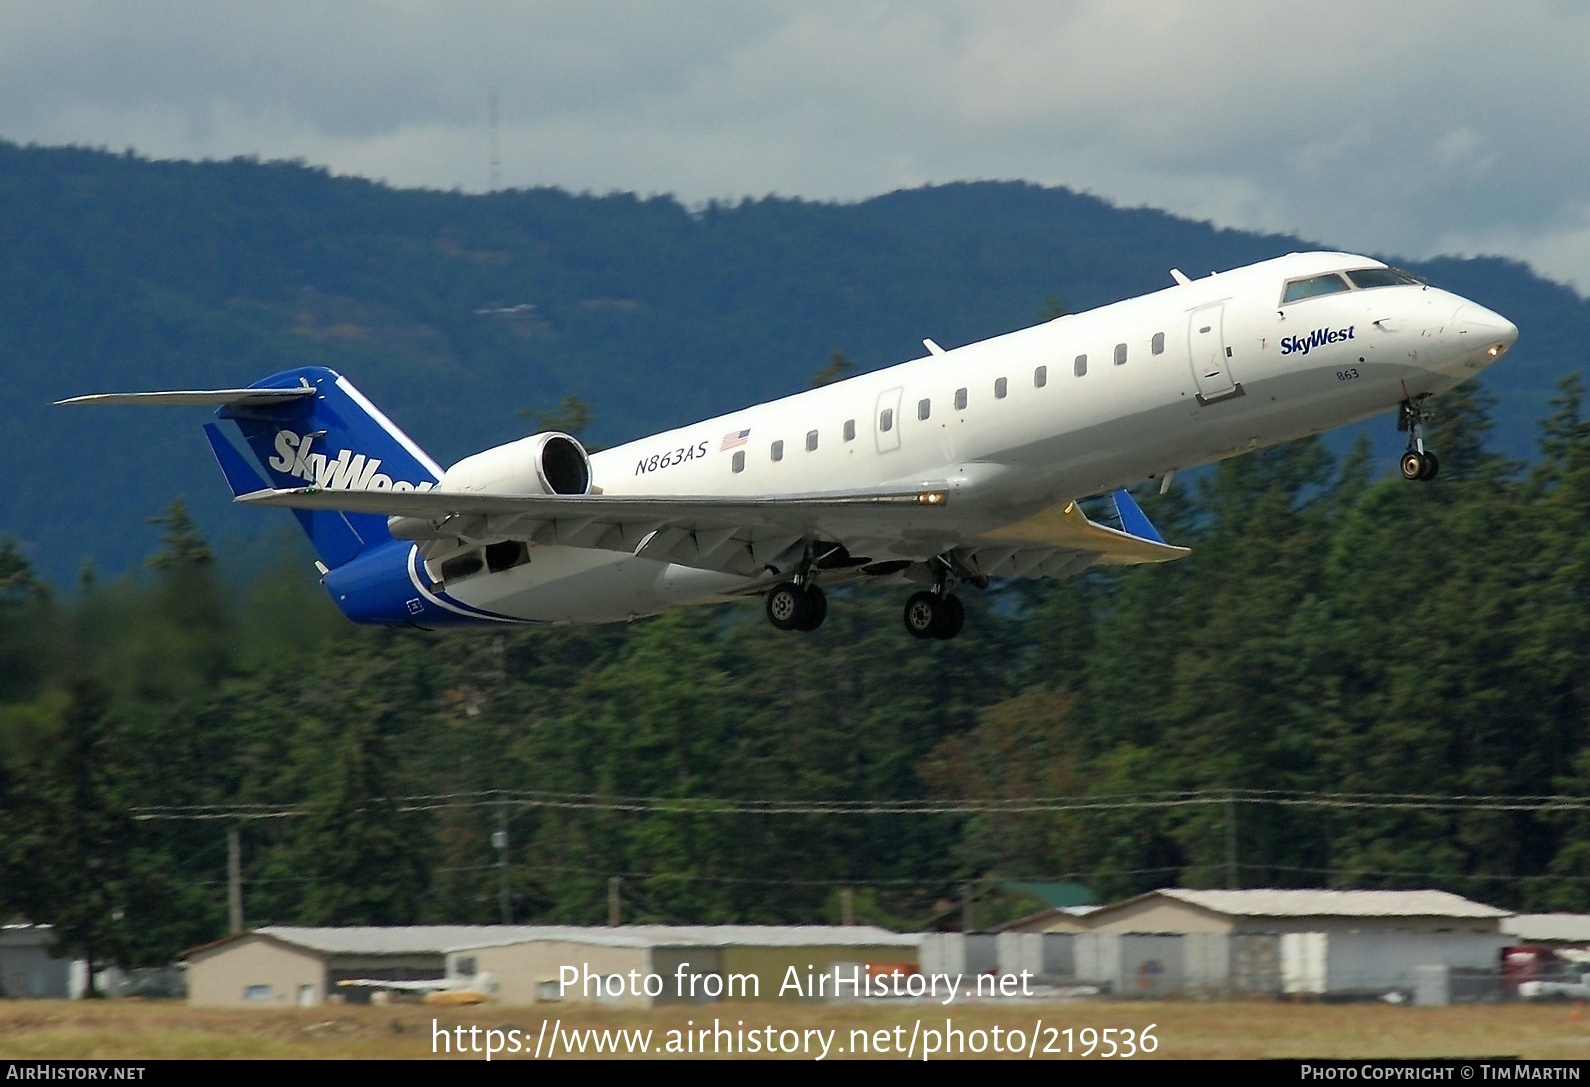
x=1176 y=910
x=1565 y=929
x=284 y=964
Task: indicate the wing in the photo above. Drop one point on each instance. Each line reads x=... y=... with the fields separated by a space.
x=881 y=530
x=735 y=534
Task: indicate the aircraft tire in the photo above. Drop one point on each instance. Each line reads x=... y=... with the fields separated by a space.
x=1431 y=466
x=952 y=619
x=924 y=615
x=786 y=606
x=1413 y=465
x=816 y=608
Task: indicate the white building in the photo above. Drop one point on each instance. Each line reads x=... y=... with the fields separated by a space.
x=283 y=965
x=1180 y=942
x=28 y=970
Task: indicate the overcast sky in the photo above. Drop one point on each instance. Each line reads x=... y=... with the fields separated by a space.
x=1398 y=126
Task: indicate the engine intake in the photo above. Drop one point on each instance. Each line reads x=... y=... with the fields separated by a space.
x=547 y=463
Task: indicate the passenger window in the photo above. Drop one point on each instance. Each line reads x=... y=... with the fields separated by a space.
x=1157 y=344
x=739 y=461
x=1001 y=387
x=778 y=450
x=1314 y=286
x=1040 y=377
x=850 y=430
x=1081 y=366
x=811 y=440
x=924 y=408
x=886 y=420
x=1120 y=354
x=960 y=399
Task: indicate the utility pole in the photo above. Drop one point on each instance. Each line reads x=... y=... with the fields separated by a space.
x=847 y=907
x=491 y=124
x=1231 y=842
x=499 y=842
x=614 y=903
x=234 y=880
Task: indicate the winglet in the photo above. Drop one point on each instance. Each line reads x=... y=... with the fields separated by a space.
x=1133 y=520
x=240 y=474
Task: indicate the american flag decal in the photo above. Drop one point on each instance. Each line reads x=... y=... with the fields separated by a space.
x=734 y=439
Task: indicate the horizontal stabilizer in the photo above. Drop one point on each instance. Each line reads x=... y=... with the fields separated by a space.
x=203 y=397
x=240 y=474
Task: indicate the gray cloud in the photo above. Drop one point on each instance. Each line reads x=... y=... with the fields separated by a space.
x=1416 y=127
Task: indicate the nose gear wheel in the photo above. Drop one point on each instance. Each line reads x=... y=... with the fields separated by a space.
x=1418 y=463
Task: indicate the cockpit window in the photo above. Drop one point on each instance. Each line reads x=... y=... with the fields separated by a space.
x=1364 y=278
x=1299 y=289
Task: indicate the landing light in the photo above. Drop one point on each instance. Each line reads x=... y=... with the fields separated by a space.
x=931 y=498
x=1496 y=350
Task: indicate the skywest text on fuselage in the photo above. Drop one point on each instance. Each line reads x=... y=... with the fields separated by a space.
x=1291 y=345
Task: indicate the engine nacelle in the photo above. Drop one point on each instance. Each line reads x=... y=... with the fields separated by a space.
x=548 y=463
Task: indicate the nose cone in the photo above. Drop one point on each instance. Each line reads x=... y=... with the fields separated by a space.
x=1487 y=330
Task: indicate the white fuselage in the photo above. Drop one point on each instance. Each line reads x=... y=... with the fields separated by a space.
x=1195 y=373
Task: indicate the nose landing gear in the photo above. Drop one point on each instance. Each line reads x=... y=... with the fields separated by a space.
x=1418 y=463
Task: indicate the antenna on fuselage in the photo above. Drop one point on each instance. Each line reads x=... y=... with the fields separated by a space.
x=1181 y=279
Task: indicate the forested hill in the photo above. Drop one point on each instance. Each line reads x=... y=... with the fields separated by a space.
x=456 y=312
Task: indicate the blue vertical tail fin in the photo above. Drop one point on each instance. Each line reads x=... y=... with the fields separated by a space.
x=335 y=440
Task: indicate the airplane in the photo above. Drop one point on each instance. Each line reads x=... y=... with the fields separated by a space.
x=451 y=991
x=951 y=469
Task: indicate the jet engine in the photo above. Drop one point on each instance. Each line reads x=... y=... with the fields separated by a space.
x=547 y=463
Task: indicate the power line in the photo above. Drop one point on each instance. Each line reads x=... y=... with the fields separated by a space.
x=498 y=798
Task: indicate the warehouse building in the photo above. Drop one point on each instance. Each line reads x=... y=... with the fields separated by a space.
x=634 y=965
x=1276 y=911
x=690 y=963
x=283 y=965
x=1557 y=930
x=29 y=970
x=1179 y=942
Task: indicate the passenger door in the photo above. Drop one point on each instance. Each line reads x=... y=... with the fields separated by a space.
x=1209 y=353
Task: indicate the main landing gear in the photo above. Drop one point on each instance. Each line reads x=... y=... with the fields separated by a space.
x=934 y=613
x=1418 y=463
x=800 y=604
x=796 y=607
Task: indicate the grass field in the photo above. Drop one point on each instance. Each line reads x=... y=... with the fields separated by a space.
x=129 y=1029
